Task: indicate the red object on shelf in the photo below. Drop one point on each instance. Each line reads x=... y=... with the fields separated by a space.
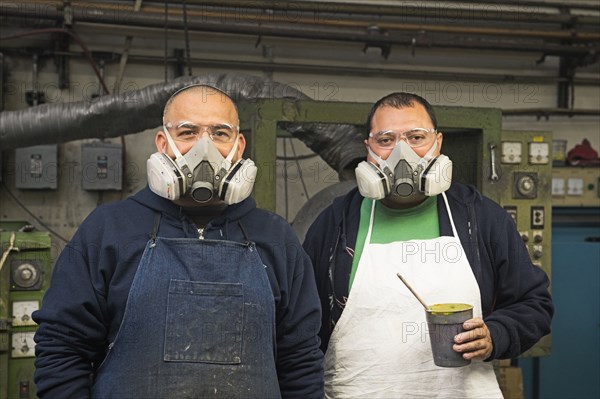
x=583 y=155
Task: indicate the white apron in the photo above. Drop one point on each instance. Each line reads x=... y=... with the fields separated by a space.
x=380 y=347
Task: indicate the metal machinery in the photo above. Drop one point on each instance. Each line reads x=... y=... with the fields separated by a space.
x=576 y=272
x=511 y=167
x=24 y=277
x=525 y=192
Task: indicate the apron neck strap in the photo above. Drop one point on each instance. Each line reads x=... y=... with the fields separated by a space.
x=450 y=215
x=248 y=242
x=368 y=238
x=154 y=232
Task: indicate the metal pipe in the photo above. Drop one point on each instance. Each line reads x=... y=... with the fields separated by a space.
x=110 y=13
x=350 y=71
x=156 y=21
x=550 y=111
x=402 y=26
x=379 y=9
x=34 y=80
x=111 y=116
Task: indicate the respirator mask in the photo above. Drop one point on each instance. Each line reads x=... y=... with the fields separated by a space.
x=202 y=173
x=404 y=174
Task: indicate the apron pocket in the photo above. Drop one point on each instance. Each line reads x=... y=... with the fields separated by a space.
x=204 y=322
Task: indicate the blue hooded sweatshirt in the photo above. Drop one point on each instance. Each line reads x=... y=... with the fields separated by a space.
x=84 y=306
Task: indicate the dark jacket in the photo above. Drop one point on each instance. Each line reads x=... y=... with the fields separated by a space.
x=84 y=306
x=515 y=301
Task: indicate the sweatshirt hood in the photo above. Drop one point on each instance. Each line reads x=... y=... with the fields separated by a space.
x=464 y=194
x=167 y=207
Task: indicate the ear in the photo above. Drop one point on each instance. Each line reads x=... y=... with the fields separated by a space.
x=241 y=146
x=161 y=142
x=440 y=138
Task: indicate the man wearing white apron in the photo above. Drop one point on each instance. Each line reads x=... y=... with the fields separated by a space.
x=451 y=244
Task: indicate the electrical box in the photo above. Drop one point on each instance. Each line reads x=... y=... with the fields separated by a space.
x=101 y=166
x=36 y=167
x=24 y=278
x=576 y=186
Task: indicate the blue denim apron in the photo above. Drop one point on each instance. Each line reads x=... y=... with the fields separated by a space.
x=199 y=323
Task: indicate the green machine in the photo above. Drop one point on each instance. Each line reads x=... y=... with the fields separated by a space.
x=511 y=167
x=469 y=133
x=25 y=269
x=525 y=191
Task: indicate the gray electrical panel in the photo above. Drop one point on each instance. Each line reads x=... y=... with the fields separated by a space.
x=101 y=166
x=36 y=167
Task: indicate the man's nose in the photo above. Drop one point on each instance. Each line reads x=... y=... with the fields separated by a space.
x=205 y=129
x=202 y=132
x=401 y=137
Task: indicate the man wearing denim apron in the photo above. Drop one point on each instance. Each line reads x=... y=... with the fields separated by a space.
x=186 y=289
x=451 y=243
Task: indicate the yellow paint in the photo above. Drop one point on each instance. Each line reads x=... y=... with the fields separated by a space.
x=448 y=308
x=538 y=139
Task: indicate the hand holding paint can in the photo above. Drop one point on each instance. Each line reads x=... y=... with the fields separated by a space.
x=444 y=321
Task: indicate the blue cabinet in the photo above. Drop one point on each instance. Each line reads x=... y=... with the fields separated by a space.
x=573 y=368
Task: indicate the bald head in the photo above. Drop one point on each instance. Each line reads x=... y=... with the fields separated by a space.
x=202 y=97
x=194 y=108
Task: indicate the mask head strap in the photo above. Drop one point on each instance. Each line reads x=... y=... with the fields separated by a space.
x=179 y=159
x=429 y=155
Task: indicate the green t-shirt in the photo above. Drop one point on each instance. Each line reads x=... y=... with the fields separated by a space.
x=390 y=225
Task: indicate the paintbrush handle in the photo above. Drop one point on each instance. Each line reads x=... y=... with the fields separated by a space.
x=411 y=290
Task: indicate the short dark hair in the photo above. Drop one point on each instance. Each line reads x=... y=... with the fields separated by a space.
x=401 y=100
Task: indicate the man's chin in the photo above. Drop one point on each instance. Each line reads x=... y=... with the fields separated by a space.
x=189 y=202
x=397 y=202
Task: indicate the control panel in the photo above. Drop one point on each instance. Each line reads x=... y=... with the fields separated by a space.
x=576 y=186
x=25 y=268
x=524 y=190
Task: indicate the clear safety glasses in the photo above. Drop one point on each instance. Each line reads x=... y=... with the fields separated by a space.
x=187 y=132
x=416 y=137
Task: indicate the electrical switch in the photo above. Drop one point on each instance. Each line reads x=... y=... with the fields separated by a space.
x=512 y=211
x=526 y=185
x=524 y=236
x=24 y=390
x=25 y=275
x=537 y=217
x=537 y=252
